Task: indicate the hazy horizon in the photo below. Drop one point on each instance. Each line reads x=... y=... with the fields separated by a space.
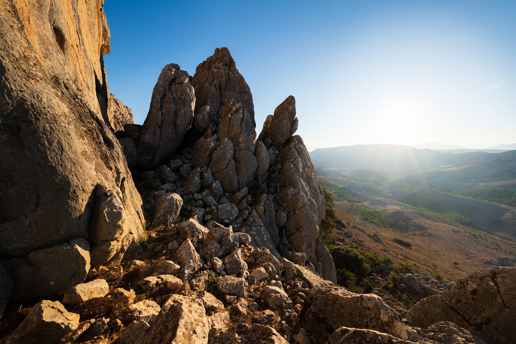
x=398 y=72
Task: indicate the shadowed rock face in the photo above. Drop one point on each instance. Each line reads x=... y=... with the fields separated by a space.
x=483 y=303
x=217 y=82
x=57 y=143
x=170 y=116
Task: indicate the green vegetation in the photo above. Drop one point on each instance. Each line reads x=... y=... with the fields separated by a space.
x=376 y=217
x=327 y=224
x=144 y=240
x=503 y=196
x=337 y=193
x=360 y=200
x=408 y=299
x=353 y=265
x=402 y=243
x=339 y=222
x=446 y=215
x=212 y=279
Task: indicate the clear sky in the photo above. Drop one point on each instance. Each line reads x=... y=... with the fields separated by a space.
x=362 y=72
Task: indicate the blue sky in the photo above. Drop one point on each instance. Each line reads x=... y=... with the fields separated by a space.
x=362 y=72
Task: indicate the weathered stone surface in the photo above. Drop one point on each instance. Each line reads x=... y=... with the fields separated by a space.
x=446 y=332
x=192 y=182
x=75 y=334
x=86 y=291
x=151 y=282
x=182 y=320
x=52 y=270
x=211 y=303
x=220 y=236
x=237 y=124
x=188 y=259
x=46 y=323
x=483 y=303
x=247 y=334
x=130 y=151
x=6 y=289
x=301 y=199
x=110 y=230
x=331 y=308
x=166 y=209
x=223 y=166
x=346 y=335
x=119 y=114
x=123 y=295
x=260 y=274
x=262 y=162
x=165 y=267
x=231 y=285
x=262 y=257
x=203 y=150
x=227 y=213
x=132 y=332
x=265 y=208
x=276 y=297
x=234 y=263
x=52 y=74
x=217 y=81
x=170 y=116
x=193 y=230
x=279 y=128
x=145 y=310
x=313 y=280
x=260 y=236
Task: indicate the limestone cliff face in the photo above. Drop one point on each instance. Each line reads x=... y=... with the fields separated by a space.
x=64 y=182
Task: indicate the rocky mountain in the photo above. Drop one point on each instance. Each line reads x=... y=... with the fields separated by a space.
x=190 y=228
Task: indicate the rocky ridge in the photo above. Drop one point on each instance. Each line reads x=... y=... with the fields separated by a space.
x=231 y=252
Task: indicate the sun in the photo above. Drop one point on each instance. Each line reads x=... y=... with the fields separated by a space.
x=399 y=116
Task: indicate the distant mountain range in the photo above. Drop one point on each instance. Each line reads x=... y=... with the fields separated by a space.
x=400 y=160
x=505 y=147
x=436 y=146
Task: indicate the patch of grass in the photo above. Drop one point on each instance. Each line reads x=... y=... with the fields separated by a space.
x=212 y=279
x=446 y=215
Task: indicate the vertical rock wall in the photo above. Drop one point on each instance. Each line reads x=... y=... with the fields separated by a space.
x=58 y=149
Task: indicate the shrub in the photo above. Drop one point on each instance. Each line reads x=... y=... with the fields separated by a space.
x=368 y=287
x=339 y=222
x=402 y=243
x=394 y=279
x=350 y=259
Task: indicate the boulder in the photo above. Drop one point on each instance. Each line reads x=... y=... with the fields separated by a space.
x=51 y=270
x=193 y=230
x=262 y=161
x=234 y=263
x=110 y=232
x=276 y=297
x=188 y=259
x=330 y=308
x=483 y=303
x=165 y=267
x=170 y=116
x=86 y=291
x=53 y=74
x=211 y=303
x=182 y=320
x=46 y=323
x=231 y=285
x=166 y=209
x=227 y=213
x=145 y=310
